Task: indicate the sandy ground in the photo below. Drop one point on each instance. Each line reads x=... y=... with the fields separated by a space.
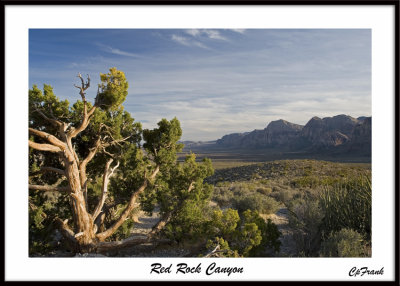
x=281 y=219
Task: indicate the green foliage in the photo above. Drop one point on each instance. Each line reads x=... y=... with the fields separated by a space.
x=344 y=243
x=247 y=235
x=223 y=223
x=271 y=236
x=124 y=231
x=305 y=217
x=43 y=208
x=256 y=202
x=348 y=205
x=268 y=231
x=162 y=143
x=47 y=103
x=224 y=248
x=113 y=89
x=178 y=185
x=189 y=224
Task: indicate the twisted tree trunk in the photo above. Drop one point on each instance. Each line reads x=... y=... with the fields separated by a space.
x=83 y=237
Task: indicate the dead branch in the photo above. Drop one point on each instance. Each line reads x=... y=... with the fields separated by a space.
x=52 y=139
x=106 y=178
x=86 y=115
x=103 y=235
x=44 y=147
x=212 y=252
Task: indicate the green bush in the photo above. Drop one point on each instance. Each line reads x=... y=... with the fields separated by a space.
x=264 y=191
x=256 y=202
x=348 y=205
x=223 y=196
x=305 y=218
x=345 y=243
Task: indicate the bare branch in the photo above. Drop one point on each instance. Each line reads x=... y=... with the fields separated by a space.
x=52 y=139
x=103 y=235
x=106 y=177
x=44 y=147
x=84 y=86
x=86 y=115
x=83 y=164
x=191 y=186
x=213 y=251
x=48 y=188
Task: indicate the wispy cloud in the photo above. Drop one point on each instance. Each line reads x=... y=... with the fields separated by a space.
x=207 y=34
x=213 y=34
x=116 y=51
x=193 y=32
x=188 y=42
x=240 y=31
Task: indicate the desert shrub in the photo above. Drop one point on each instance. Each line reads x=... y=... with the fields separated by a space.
x=223 y=223
x=239 y=189
x=305 y=182
x=223 y=196
x=344 y=243
x=347 y=205
x=269 y=232
x=223 y=184
x=264 y=190
x=256 y=202
x=224 y=248
x=284 y=195
x=191 y=223
x=277 y=189
x=241 y=236
x=305 y=217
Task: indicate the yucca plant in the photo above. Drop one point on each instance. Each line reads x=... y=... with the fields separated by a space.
x=347 y=205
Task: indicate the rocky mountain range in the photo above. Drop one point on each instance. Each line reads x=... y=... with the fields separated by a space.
x=341 y=133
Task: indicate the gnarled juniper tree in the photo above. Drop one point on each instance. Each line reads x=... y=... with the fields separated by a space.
x=85 y=142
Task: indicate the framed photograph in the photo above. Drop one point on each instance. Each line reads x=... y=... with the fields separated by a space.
x=202 y=142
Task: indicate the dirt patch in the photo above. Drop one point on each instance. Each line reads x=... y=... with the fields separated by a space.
x=288 y=246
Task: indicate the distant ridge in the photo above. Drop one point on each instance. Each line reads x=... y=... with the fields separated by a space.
x=339 y=134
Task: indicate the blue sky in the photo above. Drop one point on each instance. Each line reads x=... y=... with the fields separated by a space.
x=215 y=81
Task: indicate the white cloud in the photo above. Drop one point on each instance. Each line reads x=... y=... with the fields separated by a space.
x=213 y=34
x=240 y=31
x=205 y=33
x=188 y=42
x=181 y=40
x=115 y=51
x=193 y=32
